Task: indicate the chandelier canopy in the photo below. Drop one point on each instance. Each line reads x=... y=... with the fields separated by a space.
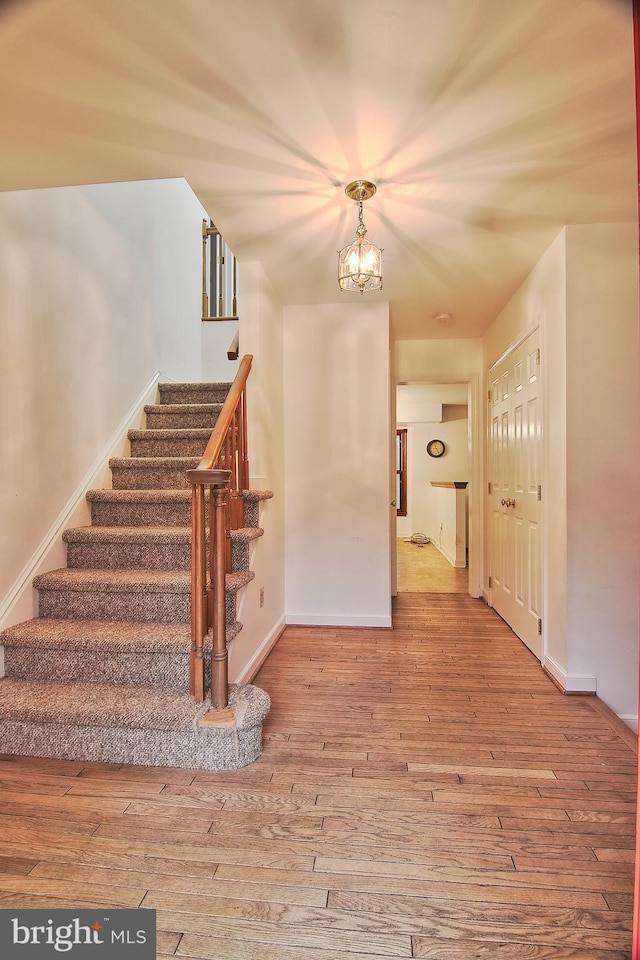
x=360 y=263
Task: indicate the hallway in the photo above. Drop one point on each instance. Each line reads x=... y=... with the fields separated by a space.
x=424 y=791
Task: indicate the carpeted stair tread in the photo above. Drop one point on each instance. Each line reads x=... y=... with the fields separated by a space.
x=127 y=535
x=156 y=496
x=188 y=386
x=161 y=496
x=175 y=433
x=77 y=703
x=187 y=393
x=257 y=494
x=114 y=581
x=183 y=409
x=151 y=463
x=119 y=705
x=166 y=416
x=52 y=634
x=151 y=472
x=141 y=508
x=153 y=548
x=246 y=533
x=146 y=534
x=128 y=581
x=175 y=442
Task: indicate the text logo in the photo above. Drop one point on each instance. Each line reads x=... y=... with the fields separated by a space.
x=78 y=934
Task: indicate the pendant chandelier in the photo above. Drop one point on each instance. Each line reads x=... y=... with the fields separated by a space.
x=360 y=263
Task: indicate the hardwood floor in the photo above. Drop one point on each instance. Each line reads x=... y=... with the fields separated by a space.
x=424 y=792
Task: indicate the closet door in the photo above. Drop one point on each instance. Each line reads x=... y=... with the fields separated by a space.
x=515 y=534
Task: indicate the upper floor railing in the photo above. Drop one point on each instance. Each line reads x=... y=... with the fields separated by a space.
x=219 y=276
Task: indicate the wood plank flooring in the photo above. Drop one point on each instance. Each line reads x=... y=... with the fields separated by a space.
x=424 y=792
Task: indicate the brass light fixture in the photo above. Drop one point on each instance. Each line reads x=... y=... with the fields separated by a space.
x=360 y=263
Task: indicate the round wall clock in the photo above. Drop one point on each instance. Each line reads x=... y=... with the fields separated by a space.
x=435 y=448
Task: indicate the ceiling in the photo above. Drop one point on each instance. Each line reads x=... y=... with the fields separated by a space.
x=486 y=124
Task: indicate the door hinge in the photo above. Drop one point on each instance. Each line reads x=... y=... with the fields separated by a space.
x=489 y=488
x=539 y=491
x=538 y=357
x=490 y=582
x=489 y=395
x=539 y=627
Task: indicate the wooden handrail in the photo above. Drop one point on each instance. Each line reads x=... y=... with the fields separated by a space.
x=225 y=418
x=224 y=471
x=233 y=350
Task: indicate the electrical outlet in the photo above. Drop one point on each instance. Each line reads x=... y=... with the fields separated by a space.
x=262 y=596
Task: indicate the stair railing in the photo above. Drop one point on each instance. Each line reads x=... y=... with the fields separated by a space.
x=217 y=482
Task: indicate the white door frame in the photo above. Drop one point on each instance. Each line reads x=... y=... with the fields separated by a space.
x=475 y=489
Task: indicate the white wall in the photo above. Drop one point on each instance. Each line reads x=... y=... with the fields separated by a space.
x=216 y=340
x=98 y=292
x=337 y=403
x=448 y=510
x=453 y=465
x=603 y=459
x=261 y=336
x=583 y=294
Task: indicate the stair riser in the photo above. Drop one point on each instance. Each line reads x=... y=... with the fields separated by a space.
x=98 y=605
x=140 y=556
x=133 y=606
x=212 y=393
x=185 y=447
x=240 y=555
x=251 y=513
x=141 y=515
x=192 y=750
x=141 y=478
x=189 y=420
x=133 y=556
x=197 y=393
x=103 y=667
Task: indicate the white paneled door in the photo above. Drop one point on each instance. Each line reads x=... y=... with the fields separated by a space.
x=515 y=535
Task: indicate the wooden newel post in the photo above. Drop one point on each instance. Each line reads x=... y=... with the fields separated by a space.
x=208 y=582
x=198 y=592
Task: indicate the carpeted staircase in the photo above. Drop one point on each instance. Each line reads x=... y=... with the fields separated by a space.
x=103 y=673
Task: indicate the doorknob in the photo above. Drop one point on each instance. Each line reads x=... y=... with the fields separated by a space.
x=508 y=502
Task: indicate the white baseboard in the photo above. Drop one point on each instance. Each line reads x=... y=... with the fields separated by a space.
x=251 y=668
x=570 y=682
x=631 y=720
x=458 y=564
x=304 y=620
x=21 y=601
